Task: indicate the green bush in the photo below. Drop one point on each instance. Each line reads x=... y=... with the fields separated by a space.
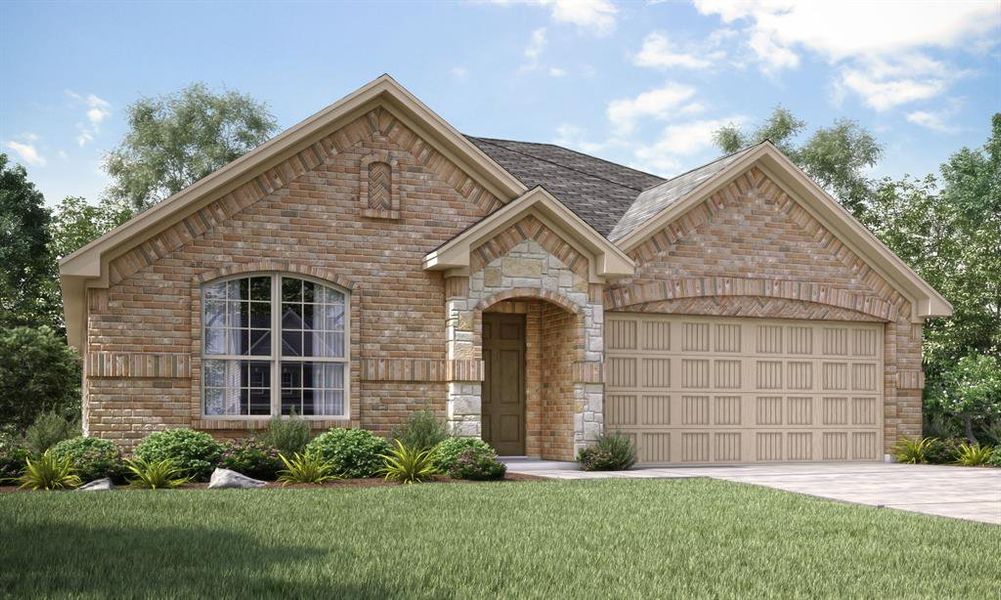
x=155 y=474
x=942 y=451
x=974 y=455
x=612 y=452
x=38 y=373
x=253 y=458
x=447 y=451
x=477 y=464
x=306 y=468
x=92 y=458
x=48 y=472
x=288 y=435
x=49 y=429
x=351 y=452
x=12 y=462
x=407 y=465
x=195 y=453
x=995 y=460
x=421 y=431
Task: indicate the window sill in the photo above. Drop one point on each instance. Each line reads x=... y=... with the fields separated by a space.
x=258 y=423
x=377 y=213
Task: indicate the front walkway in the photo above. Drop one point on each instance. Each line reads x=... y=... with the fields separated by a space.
x=959 y=492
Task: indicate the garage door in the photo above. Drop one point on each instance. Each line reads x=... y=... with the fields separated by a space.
x=703 y=390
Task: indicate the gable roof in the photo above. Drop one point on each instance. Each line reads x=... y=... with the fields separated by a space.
x=653 y=200
x=598 y=191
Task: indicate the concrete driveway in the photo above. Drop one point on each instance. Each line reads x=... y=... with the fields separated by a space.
x=959 y=492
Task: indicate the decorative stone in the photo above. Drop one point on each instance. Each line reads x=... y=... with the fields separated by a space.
x=492 y=277
x=224 y=478
x=521 y=267
x=98 y=485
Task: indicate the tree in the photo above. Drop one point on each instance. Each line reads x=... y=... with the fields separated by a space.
x=75 y=222
x=177 y=139
x=836 y=156
x=971 y=390
x=38 y=373
x=28 y=292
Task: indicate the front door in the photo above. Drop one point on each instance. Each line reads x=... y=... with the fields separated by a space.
x=503 y=404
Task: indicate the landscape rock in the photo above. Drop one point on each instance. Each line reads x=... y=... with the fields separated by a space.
x=98 y=485
x=224 y=478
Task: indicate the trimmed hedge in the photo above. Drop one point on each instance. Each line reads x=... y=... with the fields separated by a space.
x=195 y=452
x=352 y=452
x=253 y=458
x=92 y=458
x=447 y=451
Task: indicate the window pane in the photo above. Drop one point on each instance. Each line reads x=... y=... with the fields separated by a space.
x=260 y=342
x=215 y=341
x=292 y=343
x=308 y=291
x=260 y=315
x=292 y=316
x=312 y=388
x=214 y=291
x=328 y=295
x=260 y=289
x=291 y=290
x=237 y=387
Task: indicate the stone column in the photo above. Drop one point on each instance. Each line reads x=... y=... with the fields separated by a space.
x=463 y=410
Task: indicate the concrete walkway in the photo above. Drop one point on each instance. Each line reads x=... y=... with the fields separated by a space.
x=959 y=492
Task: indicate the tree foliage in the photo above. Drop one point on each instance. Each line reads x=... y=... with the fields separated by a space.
x=28 y=291
x=836 y=156
x=971 y=389
x=177 y=139
x=38 y=373
x=75 y=222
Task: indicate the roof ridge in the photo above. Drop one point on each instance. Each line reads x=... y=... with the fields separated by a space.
x=584 y=154
x=702 y=166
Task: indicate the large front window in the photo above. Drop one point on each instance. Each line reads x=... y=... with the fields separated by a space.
x=273 y=344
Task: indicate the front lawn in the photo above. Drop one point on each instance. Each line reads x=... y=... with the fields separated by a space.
x=575 y=539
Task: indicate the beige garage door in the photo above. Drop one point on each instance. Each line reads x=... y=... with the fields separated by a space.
x=701 y=390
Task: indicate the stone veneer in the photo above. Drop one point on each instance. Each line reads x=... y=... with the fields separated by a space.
x=571 y=323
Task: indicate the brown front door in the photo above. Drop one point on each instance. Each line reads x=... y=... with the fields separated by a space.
x=504 y=384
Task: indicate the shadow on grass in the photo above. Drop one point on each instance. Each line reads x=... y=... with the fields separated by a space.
x=49 y=559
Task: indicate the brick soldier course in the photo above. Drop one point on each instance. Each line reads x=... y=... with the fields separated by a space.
x=424 y=230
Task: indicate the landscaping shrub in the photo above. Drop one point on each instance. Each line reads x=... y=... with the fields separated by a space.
x=447 y=451
x=351 y=452
x=48 y=472
x=196 y=453
x=155 y=474
x=407 y=464
x=421 y=431
x=38 y=373
x=974 y=455
x=253 y=458
x=995 y=460
x=91 y=458
x=612 y=452
x=943 y=451
x=49 y=429
x=912 y=451
x=306 y=468
x=478 y=465
x=288 y=435
x=12 y=456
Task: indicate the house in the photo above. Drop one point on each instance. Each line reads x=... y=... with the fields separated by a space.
x=372 y=261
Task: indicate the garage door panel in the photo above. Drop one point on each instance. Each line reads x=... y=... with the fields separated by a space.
x=720 y=390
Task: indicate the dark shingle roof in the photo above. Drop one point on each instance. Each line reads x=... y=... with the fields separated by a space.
x=598 y=191
x=651 y=201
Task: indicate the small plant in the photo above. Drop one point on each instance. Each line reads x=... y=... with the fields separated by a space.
x=155 y=474
x=447 y=451
x=12 y=463
x=913 y=451
x=287 y=434
x=974 y=455
x=408 y=465
x=477 y=464
x=942 y=451
x=306 y=468
x=253 y=458
x=613 y=452
x=351 y=452
x=48 y=472
x=49 y=429
x=421 y=431
x=995 y=460
x=194 y=452
x=92 y=458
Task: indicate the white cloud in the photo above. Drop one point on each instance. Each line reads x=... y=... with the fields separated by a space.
x=85 y=137
x=536 y=44
x=97 y=110
x=557 y=72
x=678 y=141
x=663 y=103
x=62 y=154
x=658 y=51
x=938 y=120
x=571 y=136
x=595 y=16
x=27 y=152
x=864 y=37
x=459 y=72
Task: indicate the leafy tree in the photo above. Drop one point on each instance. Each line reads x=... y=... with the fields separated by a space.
x=971 y=390
x=835 y=156
x=28 y=292
x=76 y=223
x=177 y=139
x=38 y=373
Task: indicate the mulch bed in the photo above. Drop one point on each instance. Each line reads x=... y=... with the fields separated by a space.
x=340 y=483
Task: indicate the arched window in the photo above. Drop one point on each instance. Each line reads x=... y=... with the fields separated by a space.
x=274 y=344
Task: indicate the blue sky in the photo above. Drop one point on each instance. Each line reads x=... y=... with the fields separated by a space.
x=641 y=83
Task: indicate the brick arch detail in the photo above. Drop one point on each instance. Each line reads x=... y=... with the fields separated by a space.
x=276 y=266
x=528 y=228
x=526 y=292
x=622 y=298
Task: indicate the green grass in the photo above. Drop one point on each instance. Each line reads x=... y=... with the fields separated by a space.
x=541 y=539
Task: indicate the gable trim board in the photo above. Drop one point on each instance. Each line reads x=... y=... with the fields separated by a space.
x=925 y=301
